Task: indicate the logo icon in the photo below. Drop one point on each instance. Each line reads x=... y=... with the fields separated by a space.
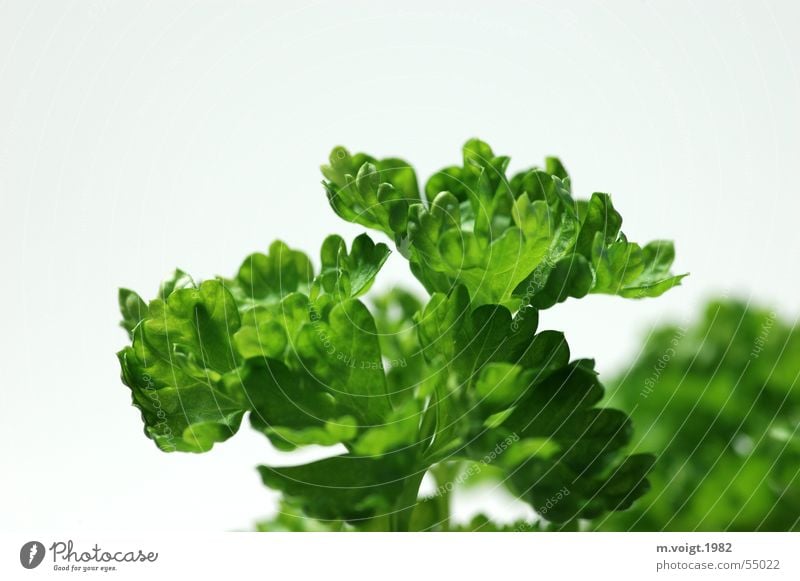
x=31 y=554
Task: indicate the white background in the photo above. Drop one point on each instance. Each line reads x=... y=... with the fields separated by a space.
x=136 y=137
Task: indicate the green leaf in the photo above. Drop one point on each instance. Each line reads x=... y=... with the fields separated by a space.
x=178 y=280
x=203 y=356
x=349 y=488
x=375 y=193
x=501 y=384
x=556 y=399
x=560 y=494
x=201 y=319
x=570 y=471
x=547 y=352
x=181 y=369
x=133 y=310
x=572 y=276
x=625 y=269
x=600 y=219
x=441 y=326
x=506 y=381
x=400 y=431
x=350 y=275
x=504 y=239
x=269 y=277
x=270 y=330
x=340 y=349
x=292 y=409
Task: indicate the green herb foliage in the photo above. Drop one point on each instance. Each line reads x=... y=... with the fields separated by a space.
x=719 y=403
x=407 y=387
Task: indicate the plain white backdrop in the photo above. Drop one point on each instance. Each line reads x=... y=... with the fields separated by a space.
x=136 y=137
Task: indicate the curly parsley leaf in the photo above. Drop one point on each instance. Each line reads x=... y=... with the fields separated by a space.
x=410 y=387
x=202 y=356
x=181 y=368
x=510 y=240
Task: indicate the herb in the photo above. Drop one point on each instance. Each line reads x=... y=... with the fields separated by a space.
x=406 y=388
x=720 y=405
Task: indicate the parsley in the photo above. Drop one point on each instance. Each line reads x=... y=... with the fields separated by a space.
x=719 y=403
x=408 y=387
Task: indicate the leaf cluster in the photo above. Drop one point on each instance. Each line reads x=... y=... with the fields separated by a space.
x=406 y=387
x=719 y=404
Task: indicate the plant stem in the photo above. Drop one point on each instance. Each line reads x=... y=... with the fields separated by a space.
x=406 y=502
x=443 y=474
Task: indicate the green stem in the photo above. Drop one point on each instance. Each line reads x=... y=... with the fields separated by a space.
x=406 y=502
x=442 y=474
